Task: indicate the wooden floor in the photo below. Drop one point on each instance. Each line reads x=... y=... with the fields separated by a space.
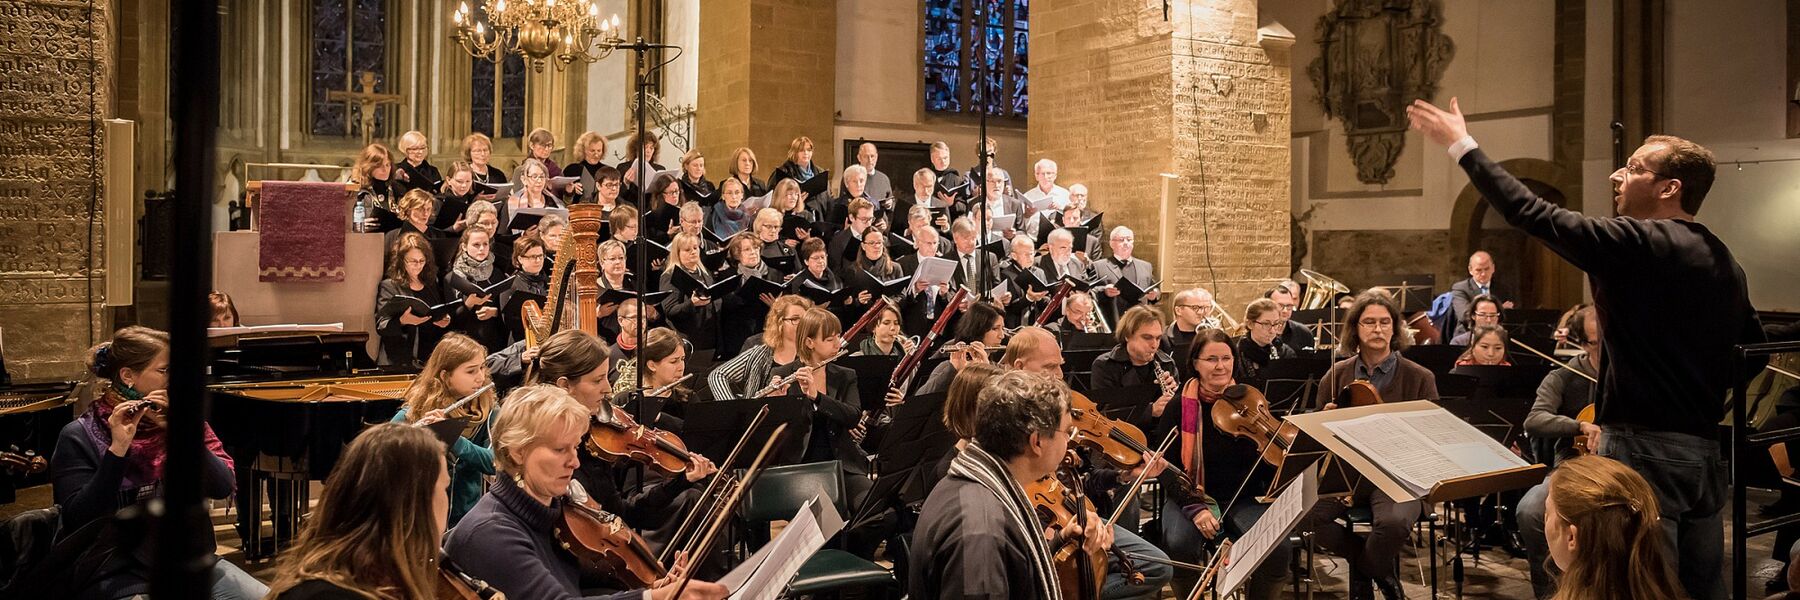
x=1494 y=575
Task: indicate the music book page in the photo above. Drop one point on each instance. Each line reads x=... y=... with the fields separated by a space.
x=766 y=575
x=1252 y=548
x=1422 y=448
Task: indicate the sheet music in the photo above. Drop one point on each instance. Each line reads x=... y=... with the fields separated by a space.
x=1422 y=448
x=935 y=271
x=1252 y=548
x=761 y=578
x=1004 y=222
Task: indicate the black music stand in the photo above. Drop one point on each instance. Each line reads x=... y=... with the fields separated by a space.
x=1413 y=292
x=905 y=463
x=713 y=430
x=1494 y=381
x=1090 y=341
x=1290 y=395
x=1130 y=404
x=871 y=369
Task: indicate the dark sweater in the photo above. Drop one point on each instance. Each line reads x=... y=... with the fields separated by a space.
x=1658 y=373
x=318 y=589
x=509 y=541
x=1409 y=382
x=87 y=480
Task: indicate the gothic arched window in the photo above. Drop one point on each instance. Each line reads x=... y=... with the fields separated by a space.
x=956 y=42
x=348 y=38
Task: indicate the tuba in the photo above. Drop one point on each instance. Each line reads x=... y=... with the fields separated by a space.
x=1319 y=290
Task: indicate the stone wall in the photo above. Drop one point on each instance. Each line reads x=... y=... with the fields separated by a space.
x=1123 y=91
x=767 y=75
x=57 y=61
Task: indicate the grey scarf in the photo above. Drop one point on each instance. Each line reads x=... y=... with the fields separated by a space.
x=975 y=464
x=475 y=270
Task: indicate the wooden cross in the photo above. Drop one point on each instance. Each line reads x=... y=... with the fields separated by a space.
x=368 y=99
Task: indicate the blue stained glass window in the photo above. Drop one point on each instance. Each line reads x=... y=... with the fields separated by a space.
x=962 y=72
x=348 y=38
x=510 y=80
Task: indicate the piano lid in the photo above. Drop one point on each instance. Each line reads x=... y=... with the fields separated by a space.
x=324 y=389
x=35 y=396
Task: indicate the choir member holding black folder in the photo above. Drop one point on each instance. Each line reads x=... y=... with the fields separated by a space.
x=813 y=181
x=372 y=172
x=531 y=282
x=409 y=332
x=662 y=210
x=458 y=195
x=741 y=313
x=477 y=149
x=818 y=283
x=694 y=186
x=640 y=162
x=690 y=311
x=477 y=277
x=415 y=173
x=591 y=147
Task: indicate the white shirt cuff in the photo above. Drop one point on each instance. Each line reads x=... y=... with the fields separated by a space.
x=1462 y=147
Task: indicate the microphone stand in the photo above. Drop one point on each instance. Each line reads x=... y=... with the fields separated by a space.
x=981 y=160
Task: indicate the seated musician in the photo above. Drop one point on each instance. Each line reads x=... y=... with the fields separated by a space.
x=1487 y=346
x=475 y=263
x=456 y=369
x=509 y=539
x=1372 y=329
x=1077 y=317
x=376 y=528
x=768 y=231
x=625 y=329
x=1552 y=427
x=694 y=314
x=979 y=329
x=112 y=456
x=1294 y=334
x=1483 y=310
x=1137 y=359
x=729 y=216
x=575 y=362
x=1262 y=340
x=978 y=534
x=884 y=338
x=1121 y=265
x=740 y=316
x=742 y=376
x=833 y=390
x=224 y=311
x=661 y=361
x=407 y=338
x=1219 y=464
x=1193 y=312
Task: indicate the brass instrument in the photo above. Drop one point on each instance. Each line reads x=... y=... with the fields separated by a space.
x=1319 y=290
x=627 y=376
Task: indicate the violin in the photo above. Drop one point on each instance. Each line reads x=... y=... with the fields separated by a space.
x=620 y=437
x=454 y=584
x=604 y=545
x=1062 y=508
x=1243 y=412
x=1120 y=443
x=1581 y=441
x=22 y=463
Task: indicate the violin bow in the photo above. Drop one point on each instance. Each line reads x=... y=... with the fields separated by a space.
x=723 y=511
x=1212 y=570
x=712 y=486
x=1553 y=360
x=1139 y=482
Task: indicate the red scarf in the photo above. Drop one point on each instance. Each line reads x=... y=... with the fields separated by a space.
x=149 y=448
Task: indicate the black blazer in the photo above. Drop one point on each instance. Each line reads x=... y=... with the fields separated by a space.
x=835 y=413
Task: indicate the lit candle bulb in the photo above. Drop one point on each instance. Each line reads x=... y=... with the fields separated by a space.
x=479 y=30
x=456 y=17
x=463 y=7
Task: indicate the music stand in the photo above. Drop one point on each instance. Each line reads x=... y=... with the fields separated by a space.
x=1412 y=292
x=910 y=449
x=871 y=369
x=714 y=429
x=1130 y=404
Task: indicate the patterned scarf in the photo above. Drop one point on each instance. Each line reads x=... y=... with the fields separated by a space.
x=149 y=448
x=975 y=464
x=475 y=270
x=1193 y=412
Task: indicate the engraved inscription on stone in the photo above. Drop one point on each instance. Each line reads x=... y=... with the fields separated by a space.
x=56 y=59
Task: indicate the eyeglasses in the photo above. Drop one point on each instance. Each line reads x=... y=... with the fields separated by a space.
x=1270 y=324
x=1191 y=306
x=1213 y=360
x=1488 y=315
x=1071 y=432
x=1377 y=323
x=535 y=177
x=413 y=149
x=1635 y=168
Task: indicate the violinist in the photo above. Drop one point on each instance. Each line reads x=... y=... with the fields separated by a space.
x=1552 y=427
x=392 y=471
x=114 y=456
x=1220 y=463
x=978 y=534
x=1262 y=339
x=455 y=370
x=1137 y=360
x=1371 y=329
x=575 y=362
x=509 y=539
x=741 y=377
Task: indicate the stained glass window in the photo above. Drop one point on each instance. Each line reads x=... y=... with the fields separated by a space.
x=348 y=38
x=509 y=83
x=975 y=60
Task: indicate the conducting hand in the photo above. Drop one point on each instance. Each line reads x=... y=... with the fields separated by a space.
x=1438 y=125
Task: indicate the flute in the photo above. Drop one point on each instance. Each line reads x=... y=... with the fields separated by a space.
x=795 y=376
x=459 y=403
x=664 y=389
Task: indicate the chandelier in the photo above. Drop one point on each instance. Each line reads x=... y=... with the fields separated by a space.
x=538 y=30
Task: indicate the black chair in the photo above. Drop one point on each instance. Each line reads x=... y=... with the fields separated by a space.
x=778 y=493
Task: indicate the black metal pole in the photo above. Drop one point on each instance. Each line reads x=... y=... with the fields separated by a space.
x=981 y=161
x=184 y=539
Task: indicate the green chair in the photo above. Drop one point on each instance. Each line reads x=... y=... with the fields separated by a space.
x=780 y=492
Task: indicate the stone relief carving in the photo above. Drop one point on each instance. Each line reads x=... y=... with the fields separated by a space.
x=1375 y=57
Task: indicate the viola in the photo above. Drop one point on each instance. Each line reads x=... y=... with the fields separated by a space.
x=1242 y=411
x=1358 y=393
x=1581 y=441
x=620 y=437
x=606 y=548
x=1120 y=443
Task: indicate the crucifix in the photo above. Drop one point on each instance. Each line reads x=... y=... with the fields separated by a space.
x=368 y=100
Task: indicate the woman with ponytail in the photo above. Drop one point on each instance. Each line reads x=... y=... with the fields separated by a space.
x=113 y=456
x=457 y=368
x=1605 y=534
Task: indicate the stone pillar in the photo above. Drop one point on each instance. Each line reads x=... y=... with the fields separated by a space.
x=1123 y=91
x=58 y=65
x=768 y=71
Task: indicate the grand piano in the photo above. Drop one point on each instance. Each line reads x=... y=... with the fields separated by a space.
x=32 y=414
x=284 y=406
